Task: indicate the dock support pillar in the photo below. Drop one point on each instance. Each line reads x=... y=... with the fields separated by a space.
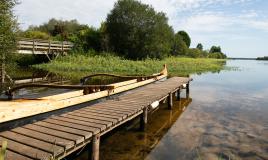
x=144 y=119
x=178 y=92
x=170 y=101
x=187 y=90
x=95 y=152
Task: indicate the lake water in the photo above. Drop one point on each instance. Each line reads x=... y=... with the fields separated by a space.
x=226 y=118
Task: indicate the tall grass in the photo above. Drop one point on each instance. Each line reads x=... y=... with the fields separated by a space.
x=3 y=150
x=81 y=65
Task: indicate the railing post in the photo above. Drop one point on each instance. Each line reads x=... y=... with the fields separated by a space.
x=3 y=71
x=33 y=46
x=49 y=47
x=62 y=51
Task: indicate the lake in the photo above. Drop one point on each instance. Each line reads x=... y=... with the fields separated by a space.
x=225 y=118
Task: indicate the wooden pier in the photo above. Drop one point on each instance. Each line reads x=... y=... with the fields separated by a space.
x=59 y=136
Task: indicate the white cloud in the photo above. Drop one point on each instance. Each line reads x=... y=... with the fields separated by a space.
x=35 y=12
x=206 y=23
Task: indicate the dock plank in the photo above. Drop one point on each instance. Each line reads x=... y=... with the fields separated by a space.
x=85 y=134
x=25 y=150
x=41 y=145
x=75 y=117
x=15 y=156
x=89 y=124
x=90 y=116
x=67 y=144
x=73 y=137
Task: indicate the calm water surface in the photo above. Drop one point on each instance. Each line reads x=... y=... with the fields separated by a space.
x=226 y=118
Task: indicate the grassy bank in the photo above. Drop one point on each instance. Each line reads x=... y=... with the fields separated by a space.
x=81 y=65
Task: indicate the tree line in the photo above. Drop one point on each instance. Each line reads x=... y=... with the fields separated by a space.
x=131 y=30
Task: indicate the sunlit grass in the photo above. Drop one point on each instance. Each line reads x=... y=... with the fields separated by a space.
x=81 y=65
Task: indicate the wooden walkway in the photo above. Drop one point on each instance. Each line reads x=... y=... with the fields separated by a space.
x=59 y=136
x=45 y=47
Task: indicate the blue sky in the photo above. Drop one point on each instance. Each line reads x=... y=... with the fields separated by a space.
x=240 y=27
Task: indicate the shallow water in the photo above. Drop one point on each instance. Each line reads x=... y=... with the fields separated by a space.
x=225 y=119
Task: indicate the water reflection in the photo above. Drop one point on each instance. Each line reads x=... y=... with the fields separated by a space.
x=226 y=120
x=28 y=76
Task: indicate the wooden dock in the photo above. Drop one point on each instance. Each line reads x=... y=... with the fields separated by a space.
x=58 y=136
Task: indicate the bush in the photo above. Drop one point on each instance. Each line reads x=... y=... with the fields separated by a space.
x=35 y=35
x=217 y=55
x=194 y=53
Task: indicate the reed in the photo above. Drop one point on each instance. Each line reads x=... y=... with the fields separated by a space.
x=82 y=65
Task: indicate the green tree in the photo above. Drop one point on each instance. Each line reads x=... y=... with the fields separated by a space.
x=88 y=39
x=35 y=34
x=59 y=29
x=186 y=38
x=199 y=46
x=8 y=32
x=215 y=49
x=179 y=46
x=137 y=31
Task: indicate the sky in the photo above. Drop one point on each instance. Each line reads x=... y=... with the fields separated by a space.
x=240 y=27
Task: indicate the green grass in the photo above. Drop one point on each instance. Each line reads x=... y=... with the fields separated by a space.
x=81 y=65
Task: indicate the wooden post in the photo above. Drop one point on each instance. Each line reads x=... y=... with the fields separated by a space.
x=49 y=47
x=3 y=71
x=95 y=152
x=170 y=101
x=178 y=95
x=187 y=90
x=62 y=51
x=144 y=119
x=33 y=47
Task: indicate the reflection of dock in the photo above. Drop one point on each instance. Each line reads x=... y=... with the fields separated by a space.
x=61 y=135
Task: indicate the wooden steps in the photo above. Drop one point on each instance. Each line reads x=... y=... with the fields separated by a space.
x=59 y=136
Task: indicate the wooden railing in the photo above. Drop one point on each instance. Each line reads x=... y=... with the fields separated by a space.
x=37 y=46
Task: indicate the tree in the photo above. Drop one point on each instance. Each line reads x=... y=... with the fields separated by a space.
x=8 y=31
x=179 y=46
x=215 y=49
x=88 y=39
x=199 y=46
x=59 y=29
x=137 y=31
x=186 y=38
x=35 y=35
x=8 y=27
